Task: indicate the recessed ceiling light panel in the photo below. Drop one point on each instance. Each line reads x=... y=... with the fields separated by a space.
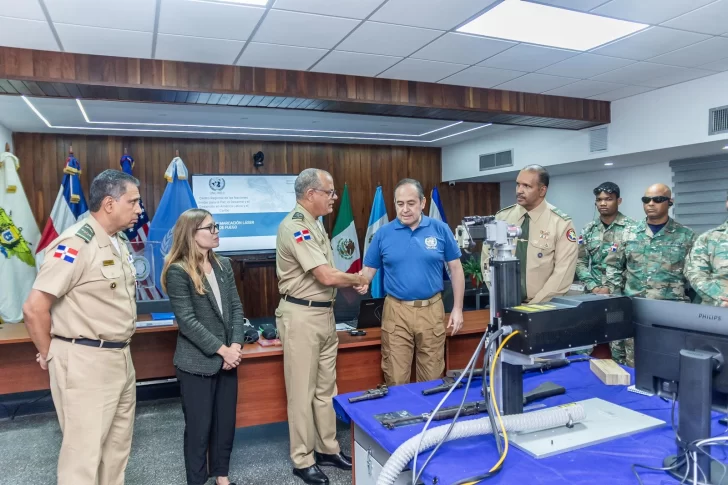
x=609 y=164
x=549 y=26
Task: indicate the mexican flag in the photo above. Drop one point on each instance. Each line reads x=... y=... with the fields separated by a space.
x=344 y=241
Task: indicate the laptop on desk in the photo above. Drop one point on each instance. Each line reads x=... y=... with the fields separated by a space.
x=370 y=314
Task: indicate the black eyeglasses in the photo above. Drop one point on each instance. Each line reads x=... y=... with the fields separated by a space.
x=213 y=228
x=657 y=200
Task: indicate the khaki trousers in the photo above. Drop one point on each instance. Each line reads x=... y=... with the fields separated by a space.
x=310 y=343
x=408 y=330
x=94 y=392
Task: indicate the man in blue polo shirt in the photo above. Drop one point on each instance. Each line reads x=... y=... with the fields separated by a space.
x=413 y=250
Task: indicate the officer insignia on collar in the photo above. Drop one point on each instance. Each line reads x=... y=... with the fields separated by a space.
x=297 y=216
x=571 y=235
x=86 y=232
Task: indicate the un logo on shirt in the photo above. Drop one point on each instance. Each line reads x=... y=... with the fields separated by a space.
x=431 y=242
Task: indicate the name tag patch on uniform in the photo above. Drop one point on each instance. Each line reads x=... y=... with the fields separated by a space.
x=571 y=235
x=66 y=254
x=109 y=262
x=431 y=242
x=302 y=235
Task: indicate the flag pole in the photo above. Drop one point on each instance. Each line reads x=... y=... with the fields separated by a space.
x=7 y=147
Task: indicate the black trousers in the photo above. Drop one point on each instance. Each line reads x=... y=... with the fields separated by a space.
x=208 y=404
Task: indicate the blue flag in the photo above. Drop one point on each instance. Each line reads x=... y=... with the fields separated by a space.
x=438 y=213
x=176 y=199
x=377 y=219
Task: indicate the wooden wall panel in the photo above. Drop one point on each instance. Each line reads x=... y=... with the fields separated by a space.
x=361 y=167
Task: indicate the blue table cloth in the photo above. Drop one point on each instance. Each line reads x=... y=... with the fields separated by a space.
x=605 y=463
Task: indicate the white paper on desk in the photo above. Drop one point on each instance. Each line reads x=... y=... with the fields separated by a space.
x=155 y=323
x=343 y=327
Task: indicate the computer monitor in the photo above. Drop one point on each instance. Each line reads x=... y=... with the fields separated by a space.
x=680 y=350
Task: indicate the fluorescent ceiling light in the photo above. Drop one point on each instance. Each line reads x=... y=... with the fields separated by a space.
x=609 y=164
x=550 y=26
x=262 y=3
x=204 y=132
x=725 y=147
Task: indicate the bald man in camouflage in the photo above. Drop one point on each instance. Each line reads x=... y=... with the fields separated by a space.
x=649 y=259
x=707 y=266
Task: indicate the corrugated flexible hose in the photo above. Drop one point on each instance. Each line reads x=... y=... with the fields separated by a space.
x=532 y=421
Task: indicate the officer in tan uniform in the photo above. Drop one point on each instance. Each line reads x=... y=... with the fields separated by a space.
x=81 y=315
x=547 y=247
x=307 y=282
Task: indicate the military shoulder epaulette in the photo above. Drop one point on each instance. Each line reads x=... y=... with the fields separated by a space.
x=506 y=208
x=562 y=215
x=589 y=226
x=86 y=232
x=297 y=216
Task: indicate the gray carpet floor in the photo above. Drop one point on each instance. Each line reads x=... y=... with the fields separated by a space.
x=29 y=448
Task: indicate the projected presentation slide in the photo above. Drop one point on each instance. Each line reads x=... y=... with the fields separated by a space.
x=248 y=208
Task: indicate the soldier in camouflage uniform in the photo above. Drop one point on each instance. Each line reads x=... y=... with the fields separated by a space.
x=707 y=266
x=649 y=260
x=597 y=240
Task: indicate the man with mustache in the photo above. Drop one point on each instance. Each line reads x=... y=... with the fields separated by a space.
x=547 y=247
x=649 y=260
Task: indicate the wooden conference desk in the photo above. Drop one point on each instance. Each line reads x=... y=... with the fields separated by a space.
x=262 y=393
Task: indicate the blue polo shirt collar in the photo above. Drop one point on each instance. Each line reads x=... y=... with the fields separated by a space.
x=425 y=222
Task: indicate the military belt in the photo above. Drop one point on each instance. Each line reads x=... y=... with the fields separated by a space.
x=418 y=303
x=102 y=344
x=317 y=304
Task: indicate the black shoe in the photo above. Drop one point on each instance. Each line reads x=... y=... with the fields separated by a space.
x=312 y=475
x=339 y=460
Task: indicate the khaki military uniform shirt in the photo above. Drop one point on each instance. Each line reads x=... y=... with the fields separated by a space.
x=651 y=265
x=595 y=244
x=95 y=285
x=707 y=266
x=302 y=245
x=552 y=250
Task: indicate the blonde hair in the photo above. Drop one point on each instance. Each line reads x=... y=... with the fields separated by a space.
x=184 y=251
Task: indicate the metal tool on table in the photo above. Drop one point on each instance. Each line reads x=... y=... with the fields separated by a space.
x=447 y=384
x=380 y=391
x=538 y=366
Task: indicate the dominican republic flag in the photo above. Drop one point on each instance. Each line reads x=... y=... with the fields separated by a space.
x=145 y=287
x=19 y=236
x=377 y=218
x=176 y=199
x=581 y=240
x=303 y=235
x=65 y=253
x=344 y=242
x=438 y=213
x=70 y=206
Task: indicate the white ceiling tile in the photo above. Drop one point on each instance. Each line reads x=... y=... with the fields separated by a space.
x=197 y=49
x=711 y=19
x=280 y=56
x=620 y=93
x=680 y=76
x=113 y=14
x=581 y=5
x=481 y=77
x=636 y=73
x=433 y=14
x=355 y=63
x=387 y=39
x=462 y=48
x=528 y=58
x=584 y=89
x=648 y=11
x=302 y=29
x=721 y=65
x=711 y=50
x=419 y=70
x=27 y=34
x=585 y=66
x=106 y=42
x=355 y=9
x=535 y=83
x=650 y=43
x=207 y=19
x=21 y=9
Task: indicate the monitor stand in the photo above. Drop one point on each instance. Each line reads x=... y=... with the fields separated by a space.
x=695 y=395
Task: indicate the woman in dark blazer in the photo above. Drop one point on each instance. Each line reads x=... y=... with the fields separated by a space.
x=206 y=305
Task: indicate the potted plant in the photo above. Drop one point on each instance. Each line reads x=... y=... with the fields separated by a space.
x=471 y=268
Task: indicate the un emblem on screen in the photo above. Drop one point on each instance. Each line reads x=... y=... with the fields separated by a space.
x=217 y=183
